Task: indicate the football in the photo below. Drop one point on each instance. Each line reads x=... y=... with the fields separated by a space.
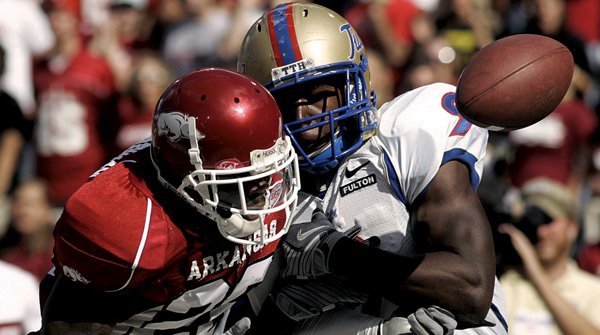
x=514 y=82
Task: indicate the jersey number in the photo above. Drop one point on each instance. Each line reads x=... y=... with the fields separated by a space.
x=449 y=104
x=61 y=125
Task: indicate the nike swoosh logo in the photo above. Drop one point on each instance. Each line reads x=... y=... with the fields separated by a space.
x=351 y=173
x=302 y=235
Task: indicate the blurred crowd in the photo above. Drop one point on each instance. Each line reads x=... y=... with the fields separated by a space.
x=80 y=79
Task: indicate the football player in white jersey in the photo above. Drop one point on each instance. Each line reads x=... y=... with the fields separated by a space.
x=402 y=178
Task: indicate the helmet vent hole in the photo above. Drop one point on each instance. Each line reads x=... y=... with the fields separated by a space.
x=257 y=91
x=236 y=100
x=203 y=97
x=305 y=13
x=259 y=28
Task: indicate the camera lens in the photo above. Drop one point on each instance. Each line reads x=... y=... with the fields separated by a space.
x=532 y=218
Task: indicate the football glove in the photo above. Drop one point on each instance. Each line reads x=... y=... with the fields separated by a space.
x=432 y=320
x=307 y=246
x=240 y=327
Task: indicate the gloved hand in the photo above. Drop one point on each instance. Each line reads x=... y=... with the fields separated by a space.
x=391 y=326
x=240 y=327
x=433 y=320
x=307 y=246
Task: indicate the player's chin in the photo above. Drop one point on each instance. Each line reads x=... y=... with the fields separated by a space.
x=314 y=140
x=250 y=217
x=313 y=135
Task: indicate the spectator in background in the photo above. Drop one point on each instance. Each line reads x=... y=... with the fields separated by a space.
x=20 y=308
x=150 y=76
x=395 y=28
x=194 y=43
x=547 y=293
x=557 y=147
x=167 y=15
x=74 y=88
x=588 y=258
x=434 y=61
x=126 y=31
x=382 y=77
x=12 y=135
x=583 y=19
x=24 y=33
x=33 y=219
x=466 y=26
x=243 y=15
x=549 y=19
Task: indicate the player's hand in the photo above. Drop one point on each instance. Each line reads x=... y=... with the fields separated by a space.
x=307 y=246
x=433 y=320
x=240 y=327
x=392 y=326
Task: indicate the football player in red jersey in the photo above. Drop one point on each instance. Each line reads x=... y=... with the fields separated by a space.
x=169 y=234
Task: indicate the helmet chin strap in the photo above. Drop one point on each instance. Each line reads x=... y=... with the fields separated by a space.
x=235 y=224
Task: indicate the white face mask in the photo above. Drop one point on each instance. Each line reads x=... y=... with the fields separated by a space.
x=269 y=185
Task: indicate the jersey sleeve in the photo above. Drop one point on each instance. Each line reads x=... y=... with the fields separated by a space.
x=109 y=237
x=420 y=131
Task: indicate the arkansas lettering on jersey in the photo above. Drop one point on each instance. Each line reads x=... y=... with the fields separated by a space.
x=123 y=233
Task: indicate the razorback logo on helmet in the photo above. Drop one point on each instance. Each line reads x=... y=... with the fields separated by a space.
x=174 y=125
x=356 y=44
x=275 y=192
x=228 y=164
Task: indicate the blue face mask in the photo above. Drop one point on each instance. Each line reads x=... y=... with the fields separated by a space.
x=350 y=122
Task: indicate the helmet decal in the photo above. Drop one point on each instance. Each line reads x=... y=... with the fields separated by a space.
x=276 y=192
x=355 y=43
x=283 y=35
x=229 y=164
x=174 y=125
x=279 y=72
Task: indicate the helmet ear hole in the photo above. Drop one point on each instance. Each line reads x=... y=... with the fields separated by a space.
x=194 y=194
x=305 y=13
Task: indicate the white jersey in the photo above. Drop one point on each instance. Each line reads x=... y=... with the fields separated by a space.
x=375 y=187
x=20 y=307
x=24 y=32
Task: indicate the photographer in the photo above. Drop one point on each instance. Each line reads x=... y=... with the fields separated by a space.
x=547 y=293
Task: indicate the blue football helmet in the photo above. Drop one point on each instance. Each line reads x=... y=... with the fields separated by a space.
x=295 y=44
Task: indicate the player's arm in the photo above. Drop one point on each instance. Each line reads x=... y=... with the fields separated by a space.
x=72 y=308
x=456 y=266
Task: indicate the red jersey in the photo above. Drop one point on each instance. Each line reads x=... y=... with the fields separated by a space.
x=547 y=148
x=72 y=102
x=134 y=124
x=123 y=234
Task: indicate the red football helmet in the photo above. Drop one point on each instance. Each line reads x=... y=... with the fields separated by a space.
x=217 y=142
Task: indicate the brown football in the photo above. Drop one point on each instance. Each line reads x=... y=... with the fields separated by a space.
x=514 y=82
